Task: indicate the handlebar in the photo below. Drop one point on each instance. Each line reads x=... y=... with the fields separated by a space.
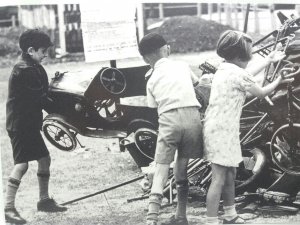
x=290 y=71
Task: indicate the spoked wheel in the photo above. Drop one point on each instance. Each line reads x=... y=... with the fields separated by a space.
x=58 y=135
x=285 y=148
x=249 y=170
x=145 y=140
x=113 y=80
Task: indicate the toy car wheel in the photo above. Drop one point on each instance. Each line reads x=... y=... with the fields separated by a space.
x=285 y=148
x=145 y=140
x=58 y=135
x=113 y=80
x=136 y=124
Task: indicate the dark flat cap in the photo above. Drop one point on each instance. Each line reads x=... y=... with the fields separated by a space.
x=150 y=43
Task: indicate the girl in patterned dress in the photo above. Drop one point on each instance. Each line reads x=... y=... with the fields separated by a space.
x=222 y=118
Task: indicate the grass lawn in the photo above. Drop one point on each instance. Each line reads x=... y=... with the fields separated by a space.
x=75 y=174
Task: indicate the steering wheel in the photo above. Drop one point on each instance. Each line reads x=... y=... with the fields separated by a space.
x=113 y=81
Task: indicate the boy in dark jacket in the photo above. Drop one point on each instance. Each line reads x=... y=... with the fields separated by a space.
x=27 y=96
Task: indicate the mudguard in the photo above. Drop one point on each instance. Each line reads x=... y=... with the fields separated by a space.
x=62 y=120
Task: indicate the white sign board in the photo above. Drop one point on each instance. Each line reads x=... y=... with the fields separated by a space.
x=109 y=30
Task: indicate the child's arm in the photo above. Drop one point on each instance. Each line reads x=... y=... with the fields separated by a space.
x=259 y=65
x=261 y=92
x=194 y=78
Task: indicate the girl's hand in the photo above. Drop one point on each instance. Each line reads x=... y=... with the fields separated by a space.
x=285 y=81
x=275 y=56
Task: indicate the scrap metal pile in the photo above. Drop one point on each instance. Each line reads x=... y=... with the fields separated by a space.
x=268 y=180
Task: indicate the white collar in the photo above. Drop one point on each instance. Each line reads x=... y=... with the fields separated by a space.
x=160 y=61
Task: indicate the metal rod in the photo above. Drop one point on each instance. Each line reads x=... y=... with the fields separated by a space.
x=265 y=37
x=250 y=118
x=171 y=191
x=269 y=45
x=113 y=63
x=253 y=128
x=81 y=146
x=248 y=103
x=246 y=18
x=138 y=198
x=102 y=191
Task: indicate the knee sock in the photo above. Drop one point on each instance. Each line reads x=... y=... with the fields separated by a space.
x=182 y=188
x=155 y=201
x=43 y=179
x=11 y=191
x=212 y=220
x=229 y=212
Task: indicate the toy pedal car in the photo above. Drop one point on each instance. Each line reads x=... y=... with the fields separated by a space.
x=89 y=103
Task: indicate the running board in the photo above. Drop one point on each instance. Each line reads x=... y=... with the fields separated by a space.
x=103 y=133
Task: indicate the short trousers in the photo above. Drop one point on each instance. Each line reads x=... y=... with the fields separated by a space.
x=27 y=146
x=179 y=129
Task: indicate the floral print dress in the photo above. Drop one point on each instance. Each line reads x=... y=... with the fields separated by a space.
x=222 y=117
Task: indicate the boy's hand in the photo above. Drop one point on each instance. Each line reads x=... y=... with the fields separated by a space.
x=275 y=56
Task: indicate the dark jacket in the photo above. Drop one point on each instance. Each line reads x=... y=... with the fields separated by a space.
x=27 y=96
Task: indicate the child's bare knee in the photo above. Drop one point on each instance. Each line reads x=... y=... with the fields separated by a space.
x=219 y=181
x=21 y=168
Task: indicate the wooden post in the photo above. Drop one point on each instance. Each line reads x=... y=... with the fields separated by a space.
x=161 y=10
x=210 y=9
x=140 y=20
x=228 y=14
x=220 y=12
x=236 y=16
x=19 y=15
x=13 y=20
x=297 y=9
x=273 y=19
x=246 y=9
x=199 y=9
x=61 y=27
x=256 y=19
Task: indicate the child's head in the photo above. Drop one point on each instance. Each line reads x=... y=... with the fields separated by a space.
x=235 y=45
x=35 y=43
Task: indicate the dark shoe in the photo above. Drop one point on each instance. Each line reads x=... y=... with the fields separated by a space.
x=173 y=221
x=12 y=216
x=50 y=205
x=236 y=220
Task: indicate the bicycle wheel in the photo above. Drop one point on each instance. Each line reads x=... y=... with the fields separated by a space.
x=285 y=148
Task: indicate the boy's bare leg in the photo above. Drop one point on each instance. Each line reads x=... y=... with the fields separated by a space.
x=159 y=181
